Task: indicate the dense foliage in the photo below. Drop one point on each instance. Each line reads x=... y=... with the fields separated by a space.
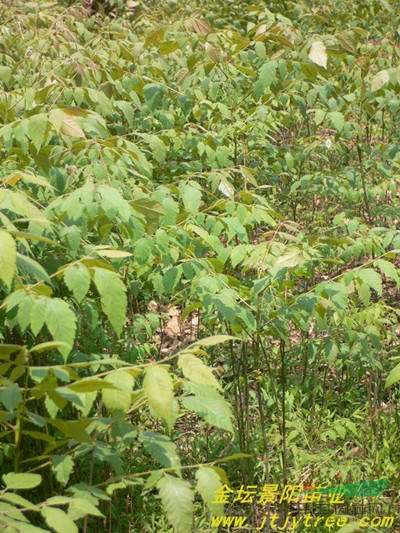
x=199 y=242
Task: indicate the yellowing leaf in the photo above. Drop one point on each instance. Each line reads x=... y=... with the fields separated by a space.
x=291 y=257
x=56 y=117
x=198 y=24
x=37 y=180
x=8 y=257
x=213 y=50
x=5 y=73
x=350 y=528
x=215 y=339
x=113 y=254
x=318 y=54
x=21 y=481
x=194 y=369
x=379 y=80
x=208 y=482
x=90 y=385
x=13 y=179
x=69 y=126
x=120 y=397
x=158 y=388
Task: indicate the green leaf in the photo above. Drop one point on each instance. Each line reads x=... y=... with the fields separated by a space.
x=191 y=197
x=161 y=448
x=24 y=312
x=158 y=388
x=120 y=397
x=151 y=210
x=77 y=279
x=171 y=278
x=48 y=346
x=152 y=481
x=33 y=268
x=153 y=94
x=62 y=466
x=371 y=278
x=38 y=315
x=17 y=499
x=8 y=257
x=319 y=116
x=23 y=528
x=210 y=405
x=194 y=369
x=238 y=254
x=58 y=520
x=11 y=396
x=177 y=499
x=113 y=203
x=87 y=399
x=267 y=73
x=291 y=257
x=5 y=73
x=37 y=126
x=85 y=506
x=234 y=457
x=61 y=322
x=157 y=147
x=75 y=429
x=21 y=481
x=142 y=251
x=208 y=482
x=266 y=77
x=337 y=120
x=9 y=512
x=90 y=385
x=127 y=110
x=58 y=500
x=215 y=339
x=365 y=293
x=393 y=377
x=260 y=50
x=113 y=297
x=112 y=487
x=9 y=348
x=318 y=54
x=388 y=269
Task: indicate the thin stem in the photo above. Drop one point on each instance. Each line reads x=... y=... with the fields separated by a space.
x=363 y=181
